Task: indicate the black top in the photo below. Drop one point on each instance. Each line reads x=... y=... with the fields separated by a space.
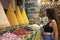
x=48 y=28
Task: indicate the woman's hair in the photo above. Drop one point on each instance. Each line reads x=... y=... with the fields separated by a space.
x=51 y=13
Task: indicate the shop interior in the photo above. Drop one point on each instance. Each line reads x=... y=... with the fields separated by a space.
x=25 y=18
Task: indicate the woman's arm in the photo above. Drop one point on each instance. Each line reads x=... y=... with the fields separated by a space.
x=55 y=30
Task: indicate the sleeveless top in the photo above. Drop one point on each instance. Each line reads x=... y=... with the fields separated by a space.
x=48 y=28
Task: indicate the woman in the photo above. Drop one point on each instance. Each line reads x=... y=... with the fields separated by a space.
x=51 y=26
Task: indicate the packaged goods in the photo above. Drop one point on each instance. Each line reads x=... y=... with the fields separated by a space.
x=11 y=16
x=3 y=19
x=9 y=36
x=25 y=16
x=19 y=16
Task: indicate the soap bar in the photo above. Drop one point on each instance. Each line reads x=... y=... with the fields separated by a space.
x=3 y=18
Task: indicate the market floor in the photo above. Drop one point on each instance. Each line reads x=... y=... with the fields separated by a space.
x=59 y=37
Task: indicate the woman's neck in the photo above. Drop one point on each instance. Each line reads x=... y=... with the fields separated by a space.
x=49 y=19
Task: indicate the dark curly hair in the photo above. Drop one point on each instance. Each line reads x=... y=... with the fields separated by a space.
x=51 y=13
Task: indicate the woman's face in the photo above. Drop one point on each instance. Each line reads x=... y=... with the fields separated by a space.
x=45 y=13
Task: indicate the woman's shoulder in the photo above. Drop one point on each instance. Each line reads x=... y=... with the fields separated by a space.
x=53 y=21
